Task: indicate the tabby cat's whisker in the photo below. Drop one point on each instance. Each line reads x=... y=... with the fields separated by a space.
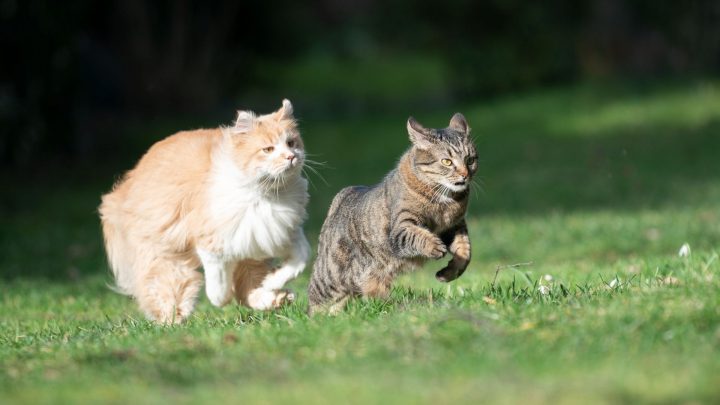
x=479 y=187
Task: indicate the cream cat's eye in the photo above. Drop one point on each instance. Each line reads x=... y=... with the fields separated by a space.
x=269 y=149
x=291 y=143
x=446 y=162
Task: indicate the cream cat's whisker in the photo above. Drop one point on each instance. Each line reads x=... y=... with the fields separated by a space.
x=315 y=162
x=317 y=173
x=318 y=165
x=308 y=178
x=276 y=186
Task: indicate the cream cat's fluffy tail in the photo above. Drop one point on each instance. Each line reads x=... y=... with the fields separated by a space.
x=120 y=254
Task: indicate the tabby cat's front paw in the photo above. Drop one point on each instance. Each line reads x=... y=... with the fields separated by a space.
x=448 y=274
x=435 y=248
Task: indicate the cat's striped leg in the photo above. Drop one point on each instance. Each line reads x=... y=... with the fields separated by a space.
x=325 y=293
x=408 y=240
x=218 y=277
x=332 y=307
x=459 y=246
x=376 y=286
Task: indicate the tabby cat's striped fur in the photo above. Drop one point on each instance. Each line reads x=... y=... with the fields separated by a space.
x=372 y=234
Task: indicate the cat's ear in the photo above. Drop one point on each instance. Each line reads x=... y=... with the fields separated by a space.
x=419 y=135
x=459 y=123
x=244 y=123
x=286 y=111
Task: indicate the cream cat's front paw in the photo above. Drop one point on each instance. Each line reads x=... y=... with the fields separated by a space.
x=218 y=277
x=262 y=299
x=218 y=294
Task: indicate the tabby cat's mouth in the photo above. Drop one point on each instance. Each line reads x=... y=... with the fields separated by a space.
x=460 y=183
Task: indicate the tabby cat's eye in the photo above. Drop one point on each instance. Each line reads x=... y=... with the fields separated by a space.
x=291 y=143
x=269 y=149
x=446 y=162
x=471 y=160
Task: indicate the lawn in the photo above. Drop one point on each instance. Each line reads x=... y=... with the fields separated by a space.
x=593 y=187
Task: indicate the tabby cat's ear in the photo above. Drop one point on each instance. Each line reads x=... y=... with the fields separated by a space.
x=286 y=111
x=459 y=123
x=419 y=135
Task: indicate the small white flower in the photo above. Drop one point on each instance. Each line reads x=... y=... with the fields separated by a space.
x=614 y=283
x=544 y=290
x=548 y=278
x=684 y=250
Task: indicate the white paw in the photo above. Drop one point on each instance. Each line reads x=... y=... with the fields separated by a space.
x=218 y=295
x=263 y=299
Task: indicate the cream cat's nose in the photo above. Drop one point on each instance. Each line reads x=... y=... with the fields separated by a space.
x=290 y=157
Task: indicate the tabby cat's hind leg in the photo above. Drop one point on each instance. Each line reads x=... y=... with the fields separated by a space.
x=331 y=307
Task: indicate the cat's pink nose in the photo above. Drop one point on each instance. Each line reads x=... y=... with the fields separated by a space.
x=290 y=157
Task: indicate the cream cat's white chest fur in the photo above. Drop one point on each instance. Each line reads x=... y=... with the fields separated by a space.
x=253 y=222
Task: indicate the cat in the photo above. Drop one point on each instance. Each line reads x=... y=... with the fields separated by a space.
x=232 y=199
x=372 y=234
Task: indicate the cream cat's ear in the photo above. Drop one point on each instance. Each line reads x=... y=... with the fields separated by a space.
x=459 y=123
x=286 y=111
x=244 y=122
x=419 y=135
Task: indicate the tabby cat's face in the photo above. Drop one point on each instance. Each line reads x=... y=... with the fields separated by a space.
x=446 y=157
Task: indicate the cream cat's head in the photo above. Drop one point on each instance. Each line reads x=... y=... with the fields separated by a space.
x=267 y=147
x=446 y=156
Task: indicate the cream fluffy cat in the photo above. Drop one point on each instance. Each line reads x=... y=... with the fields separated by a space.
x=230 y=199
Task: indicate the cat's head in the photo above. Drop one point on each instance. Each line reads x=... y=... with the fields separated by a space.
x=444 y=156
x=267 y=146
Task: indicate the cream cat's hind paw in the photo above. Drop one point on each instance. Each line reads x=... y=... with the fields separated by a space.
x=262 y=299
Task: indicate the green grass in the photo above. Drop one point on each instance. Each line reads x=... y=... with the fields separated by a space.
x=597 y=185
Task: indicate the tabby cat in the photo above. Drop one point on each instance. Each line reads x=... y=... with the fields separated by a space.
x=372 y=234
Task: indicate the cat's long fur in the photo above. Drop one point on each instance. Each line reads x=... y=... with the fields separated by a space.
x=371 y=234
x=215 y=198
